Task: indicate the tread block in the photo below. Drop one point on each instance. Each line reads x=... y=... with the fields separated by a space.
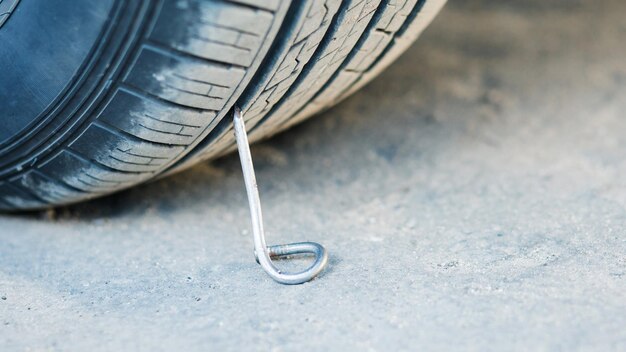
x=86 y=175
x=49 y=189
x=153 y=120
x=183 y=80
x=119 y=152
x=17 y=198
x=215 y=30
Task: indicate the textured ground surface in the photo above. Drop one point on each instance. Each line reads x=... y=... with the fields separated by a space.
x=472 y=197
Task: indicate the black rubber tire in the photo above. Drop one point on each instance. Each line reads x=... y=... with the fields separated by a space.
x=100 y=95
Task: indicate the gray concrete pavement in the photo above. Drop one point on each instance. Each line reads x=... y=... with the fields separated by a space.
x=473 y=197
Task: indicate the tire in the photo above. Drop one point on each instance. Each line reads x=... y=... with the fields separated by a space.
x=101 y=95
